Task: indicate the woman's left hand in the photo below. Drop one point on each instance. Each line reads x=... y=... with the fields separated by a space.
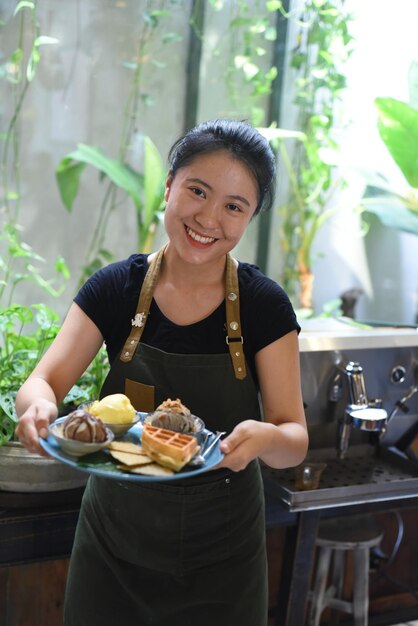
x=242 y=445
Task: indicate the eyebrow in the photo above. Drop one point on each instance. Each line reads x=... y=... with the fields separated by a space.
x=204 y=184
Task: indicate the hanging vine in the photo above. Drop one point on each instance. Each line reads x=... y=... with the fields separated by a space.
x=322 y=46
x=154 y=14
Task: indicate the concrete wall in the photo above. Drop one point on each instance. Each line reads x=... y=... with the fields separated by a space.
x=79 y=94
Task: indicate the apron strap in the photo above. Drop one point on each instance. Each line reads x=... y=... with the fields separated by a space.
x=234 y=337
x=142 y=309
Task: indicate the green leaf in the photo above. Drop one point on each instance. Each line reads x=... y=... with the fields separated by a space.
x=240 y=60
x=45 y=317
x=43 y=40
x=274 y=5
x=250 y=70
x=392 y=211
x=24 y=4
x=69 y=170
x=332 y=12
x=7 y=422
x=218 y=5
x=160 y=64
x=160 y=13
x=147 y=99
x=16 y=56
x=153 y=180
x=240 y=21
x=257 y=27
x=68 y=179
x=270 y=34
x=398 y=128
x=32 y=64
x=260 y=52
x=171 y=38
x=62 y=268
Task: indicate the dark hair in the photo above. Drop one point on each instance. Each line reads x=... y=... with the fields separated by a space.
x=242 y=141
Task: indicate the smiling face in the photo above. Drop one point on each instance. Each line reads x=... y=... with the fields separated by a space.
x=209 y=204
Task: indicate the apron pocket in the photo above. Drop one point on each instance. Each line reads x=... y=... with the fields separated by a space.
x=142 y=396
x=137 y=525
x=206 y=526
x=163 y=527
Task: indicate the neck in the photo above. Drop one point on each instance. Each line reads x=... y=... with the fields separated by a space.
x=179 y=272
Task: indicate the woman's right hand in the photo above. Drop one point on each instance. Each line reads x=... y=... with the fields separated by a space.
x=33 y=424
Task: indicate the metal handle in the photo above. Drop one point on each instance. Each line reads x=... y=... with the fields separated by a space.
x=218 y=435
x=356 y=384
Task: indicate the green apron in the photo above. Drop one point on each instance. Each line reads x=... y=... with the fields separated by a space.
x=187 y=552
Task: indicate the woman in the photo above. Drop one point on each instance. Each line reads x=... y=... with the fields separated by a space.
x=217 y=334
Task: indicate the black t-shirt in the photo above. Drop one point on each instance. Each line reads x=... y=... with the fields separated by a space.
x=111 y=295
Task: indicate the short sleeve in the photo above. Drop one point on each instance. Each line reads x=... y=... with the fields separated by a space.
x=110 y=295
x=266 y=311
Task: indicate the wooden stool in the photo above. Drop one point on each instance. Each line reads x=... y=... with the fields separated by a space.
x=336 y=537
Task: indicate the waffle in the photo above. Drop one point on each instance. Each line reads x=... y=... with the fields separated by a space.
x=168 y=448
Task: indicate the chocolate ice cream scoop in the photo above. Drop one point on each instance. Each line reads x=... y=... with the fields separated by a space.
x=172 y=421
x=83 y=426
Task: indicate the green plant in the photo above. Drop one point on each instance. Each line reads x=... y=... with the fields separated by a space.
x=145 y=189
x=25 y=331
x=323 y=43
x=398 y=128
x=19 y=72
x=250 y=33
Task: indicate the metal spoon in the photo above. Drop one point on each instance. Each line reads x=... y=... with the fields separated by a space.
x=204 y=441
x=200 y=459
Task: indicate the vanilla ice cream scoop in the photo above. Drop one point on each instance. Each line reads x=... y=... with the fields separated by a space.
x=114 y=409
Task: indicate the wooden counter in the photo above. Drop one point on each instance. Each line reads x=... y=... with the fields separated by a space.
x=37 y=531
x=37 y=526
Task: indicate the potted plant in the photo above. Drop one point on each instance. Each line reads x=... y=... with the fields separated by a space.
x=25 y=334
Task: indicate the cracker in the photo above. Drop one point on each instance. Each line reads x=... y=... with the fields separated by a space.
x=153 y=469
x=127 y=458
x=125 y=446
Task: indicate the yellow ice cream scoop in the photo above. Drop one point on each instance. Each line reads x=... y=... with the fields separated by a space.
x=113 y=409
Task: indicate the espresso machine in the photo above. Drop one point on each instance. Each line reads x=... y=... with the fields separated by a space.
x=359 y=384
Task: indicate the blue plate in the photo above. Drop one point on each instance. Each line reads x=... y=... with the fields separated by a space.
x=101 y=464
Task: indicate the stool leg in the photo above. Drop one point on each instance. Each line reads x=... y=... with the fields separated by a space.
x=324 y=557
x=337 y=581
x=361 y=587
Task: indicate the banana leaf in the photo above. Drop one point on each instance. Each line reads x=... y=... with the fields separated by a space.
x=392 y=209
x=398 y=128
x=70 y=168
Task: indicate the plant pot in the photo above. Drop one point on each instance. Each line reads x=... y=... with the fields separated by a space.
x=23 y=471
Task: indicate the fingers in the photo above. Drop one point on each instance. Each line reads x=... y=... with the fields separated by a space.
x=34 y=424
x=236 y=438
x=238 y=448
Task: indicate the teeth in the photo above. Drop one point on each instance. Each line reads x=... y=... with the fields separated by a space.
x=199 y=238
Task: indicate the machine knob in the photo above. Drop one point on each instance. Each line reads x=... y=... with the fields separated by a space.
x=398 y=374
